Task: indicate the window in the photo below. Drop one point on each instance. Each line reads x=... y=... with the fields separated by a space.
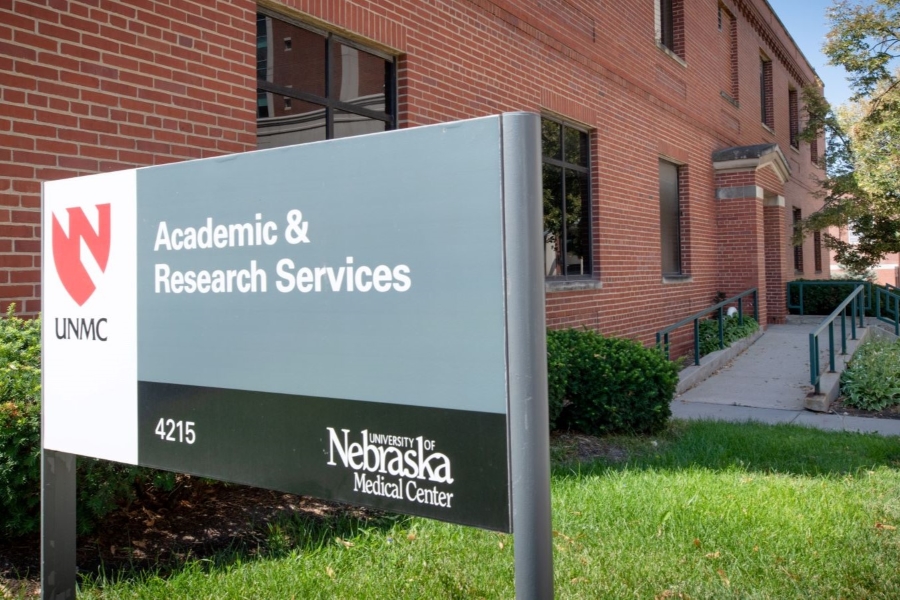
x=670 y=25
x=567 y=200
x=794 y=118
x=765 y=92
x=313 y=85
x=814 y=151
x=727 y=72
x=670 y=218
x=798 y=248
x=817 y=251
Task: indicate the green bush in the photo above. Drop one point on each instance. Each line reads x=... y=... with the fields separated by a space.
x=557 y=375
x=732 y=331
x=609 y=385
x=20 y=423
x=872 y=379
x=821 y=299
x=101 y=486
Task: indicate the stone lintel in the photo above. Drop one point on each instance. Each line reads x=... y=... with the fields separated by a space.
x=741 y=191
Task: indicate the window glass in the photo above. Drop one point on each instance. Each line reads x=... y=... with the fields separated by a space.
x=793 y=114
x=551 y=138
x=358 y=77
x=578 y=223
x=262 y=47
x=765 y=93
x=347 y=124
x=554 y=261
x=817 y=251
x=567 y=200
x=284 y=121
x=576 y=143
x=313 y=86
x=667 y=29
x=669 y=218
x=297 y=58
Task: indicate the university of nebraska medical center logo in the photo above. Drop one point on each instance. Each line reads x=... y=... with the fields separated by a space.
x=67 y=251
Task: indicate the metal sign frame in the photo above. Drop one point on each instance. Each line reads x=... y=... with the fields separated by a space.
x=525 y=380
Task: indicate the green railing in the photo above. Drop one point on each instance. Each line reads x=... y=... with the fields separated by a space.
x=662 y=336
x=887 y=305
x=800 y=286
x=856 y=302
x=881 y=302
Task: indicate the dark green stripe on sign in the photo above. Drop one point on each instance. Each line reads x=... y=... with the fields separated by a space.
x=431 y=462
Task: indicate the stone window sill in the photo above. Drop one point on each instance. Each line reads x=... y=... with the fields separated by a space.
x=667 y=279
x=671 y=54
x=727 y=97
x=571 y=285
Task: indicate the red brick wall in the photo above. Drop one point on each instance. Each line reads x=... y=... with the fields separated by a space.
x=777 y=273
x=177 y=82
x=100 y=85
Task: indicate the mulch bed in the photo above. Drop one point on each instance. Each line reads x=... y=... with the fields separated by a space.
x=840 y=408
x=198 y=519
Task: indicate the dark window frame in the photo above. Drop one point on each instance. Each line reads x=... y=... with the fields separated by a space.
x=328 y=102
x=565 y=165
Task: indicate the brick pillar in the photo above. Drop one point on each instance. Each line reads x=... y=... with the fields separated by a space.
x=776 y=259
x=741 y=237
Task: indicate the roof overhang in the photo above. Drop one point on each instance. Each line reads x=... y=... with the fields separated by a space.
x=746 y=158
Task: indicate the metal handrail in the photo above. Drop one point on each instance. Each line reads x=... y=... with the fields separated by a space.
x=890 y=307
x=856 y=301
x=824 y=282
x=662 y=336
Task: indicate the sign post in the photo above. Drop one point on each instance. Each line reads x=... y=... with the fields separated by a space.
x=527 y=343
x=359 y=320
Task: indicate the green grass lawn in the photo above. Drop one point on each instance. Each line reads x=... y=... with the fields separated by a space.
x=706 y=510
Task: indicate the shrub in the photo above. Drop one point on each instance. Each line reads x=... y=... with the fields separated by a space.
x=821 y=299
x=872 y=379
x=732 y=331
x=557 y=375
x=101 y=486
x=610 y=385
x=20 y=423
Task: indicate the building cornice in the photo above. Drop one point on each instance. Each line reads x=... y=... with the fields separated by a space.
x=776 y=45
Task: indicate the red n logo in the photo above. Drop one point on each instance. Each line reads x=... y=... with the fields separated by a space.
x=67 y=251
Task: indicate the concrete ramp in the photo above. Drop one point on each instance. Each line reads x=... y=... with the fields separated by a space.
x=772 y=373
x=769 y=382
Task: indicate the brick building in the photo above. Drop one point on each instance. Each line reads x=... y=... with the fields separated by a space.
x=886 y=272
x=672 y=169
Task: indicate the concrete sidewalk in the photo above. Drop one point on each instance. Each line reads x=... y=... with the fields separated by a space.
x=769 y=382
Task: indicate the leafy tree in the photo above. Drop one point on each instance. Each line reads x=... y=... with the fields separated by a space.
x=862 y=185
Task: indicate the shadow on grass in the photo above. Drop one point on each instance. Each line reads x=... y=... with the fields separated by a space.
x=752 y=447
x=280 y=537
